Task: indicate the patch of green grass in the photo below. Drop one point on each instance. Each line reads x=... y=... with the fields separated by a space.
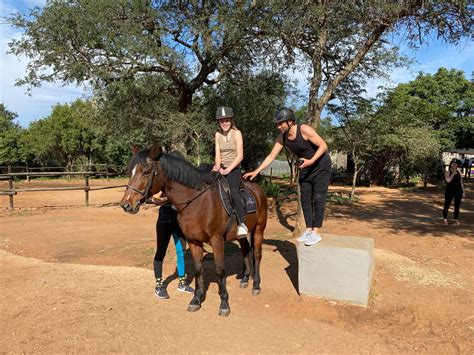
x=339 y=199
x=149 y=251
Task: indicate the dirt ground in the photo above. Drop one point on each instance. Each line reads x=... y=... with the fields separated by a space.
x=77 y=279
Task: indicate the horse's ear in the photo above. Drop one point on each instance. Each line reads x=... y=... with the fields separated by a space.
x=155 y=151
x=134 y=148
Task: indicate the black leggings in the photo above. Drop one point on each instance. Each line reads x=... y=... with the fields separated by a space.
x=448 y=197
x=313 y=190
x=167 y=226
x=233 y=178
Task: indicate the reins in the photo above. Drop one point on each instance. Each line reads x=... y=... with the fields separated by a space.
x=189 y=200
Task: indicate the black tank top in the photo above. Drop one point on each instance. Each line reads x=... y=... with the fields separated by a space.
x=455 y=184
x=303 y=148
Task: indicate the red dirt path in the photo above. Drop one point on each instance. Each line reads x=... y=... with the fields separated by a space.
x=78 y=279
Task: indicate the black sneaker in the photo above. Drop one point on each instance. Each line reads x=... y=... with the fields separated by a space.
x=183 y=286
x=160 y=290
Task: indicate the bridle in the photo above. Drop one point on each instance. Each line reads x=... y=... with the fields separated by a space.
x=146 y=191
x=154 y=172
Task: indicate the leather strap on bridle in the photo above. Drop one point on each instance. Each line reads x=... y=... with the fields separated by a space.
x=146 y=191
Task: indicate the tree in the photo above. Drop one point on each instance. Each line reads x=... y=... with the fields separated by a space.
x=444 y=101
x=65 y=136
x=11 y=150
x=345 y=43
x=190 y=43
x=355 y=121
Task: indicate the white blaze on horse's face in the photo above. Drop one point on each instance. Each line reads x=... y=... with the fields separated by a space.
x=134 y=171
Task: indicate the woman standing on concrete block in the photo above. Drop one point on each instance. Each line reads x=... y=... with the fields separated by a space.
x=315 y=169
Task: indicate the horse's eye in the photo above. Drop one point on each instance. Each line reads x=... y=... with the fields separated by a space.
x=147 y=172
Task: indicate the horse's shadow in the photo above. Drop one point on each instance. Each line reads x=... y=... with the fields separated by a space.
x=234 y=263
x=287 y=249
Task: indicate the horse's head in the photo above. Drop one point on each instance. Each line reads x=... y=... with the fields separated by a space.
x=144 y=178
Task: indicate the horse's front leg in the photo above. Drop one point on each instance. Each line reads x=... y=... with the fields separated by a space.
x=245 y=249
x=218 y=250
x=196 y=252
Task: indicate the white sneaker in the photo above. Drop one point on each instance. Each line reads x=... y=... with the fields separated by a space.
x=304 y=237
x=312 y=239
x=242 y=230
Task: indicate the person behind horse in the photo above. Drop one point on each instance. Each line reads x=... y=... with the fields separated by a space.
x=229 y=153
x=167 y=226
x=454 y=189
x=315 y=169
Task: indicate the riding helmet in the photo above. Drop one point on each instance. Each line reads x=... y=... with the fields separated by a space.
x=224 y=112
x=284 y=114
x=457 y=161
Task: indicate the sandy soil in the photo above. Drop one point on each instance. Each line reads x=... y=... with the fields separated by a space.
x=77 y=279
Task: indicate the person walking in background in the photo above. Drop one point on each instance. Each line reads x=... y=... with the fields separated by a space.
x=454 y=190
x=465 y=167
x=315 y=169
x=229 y=153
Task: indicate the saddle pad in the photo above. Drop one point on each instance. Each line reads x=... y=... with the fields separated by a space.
x=248 y=199
x=250 y=204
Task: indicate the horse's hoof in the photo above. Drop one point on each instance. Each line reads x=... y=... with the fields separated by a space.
x=244 y=284
x=224 y=312
x=256 y=291
x=193 y=307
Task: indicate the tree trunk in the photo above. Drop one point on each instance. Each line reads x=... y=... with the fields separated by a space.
x=185 y=100
x=354 y=179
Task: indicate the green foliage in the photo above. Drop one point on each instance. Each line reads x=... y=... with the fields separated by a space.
x=65 y=136
x=342 y=44
x=189 y=43
x=11 y=150
x=443 y=101
x=340 y=199
x=271 y=188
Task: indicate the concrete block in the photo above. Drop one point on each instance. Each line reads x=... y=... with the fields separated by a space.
x=338 y=267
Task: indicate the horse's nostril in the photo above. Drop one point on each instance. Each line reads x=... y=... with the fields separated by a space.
x=126 y=207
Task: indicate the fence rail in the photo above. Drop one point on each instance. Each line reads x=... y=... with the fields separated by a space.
x=107 y=170
x=11 y=191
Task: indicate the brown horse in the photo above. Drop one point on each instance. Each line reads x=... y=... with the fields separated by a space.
x=201 y=214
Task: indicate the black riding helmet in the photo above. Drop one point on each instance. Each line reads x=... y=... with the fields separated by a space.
x=224 y=112
x=457 y=161
x=284 y=114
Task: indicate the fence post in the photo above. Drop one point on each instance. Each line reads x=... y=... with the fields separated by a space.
x=27 y=176
x=10 y=186
x=86 y=190
x=107 y=171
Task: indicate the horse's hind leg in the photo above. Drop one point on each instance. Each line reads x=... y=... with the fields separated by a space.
x=245 y=249
x=196 y=252
x=218 y=250
x=257 y=240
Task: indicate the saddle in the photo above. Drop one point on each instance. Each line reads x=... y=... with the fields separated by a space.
x=248 y=199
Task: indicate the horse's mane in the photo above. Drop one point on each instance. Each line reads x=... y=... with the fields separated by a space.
x=178 y=170
x=183 y=172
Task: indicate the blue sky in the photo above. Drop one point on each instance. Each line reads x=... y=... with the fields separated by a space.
x=38 y=105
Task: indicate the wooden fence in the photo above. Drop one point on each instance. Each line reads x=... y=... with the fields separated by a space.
x=11 y=191
x=107 y=170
